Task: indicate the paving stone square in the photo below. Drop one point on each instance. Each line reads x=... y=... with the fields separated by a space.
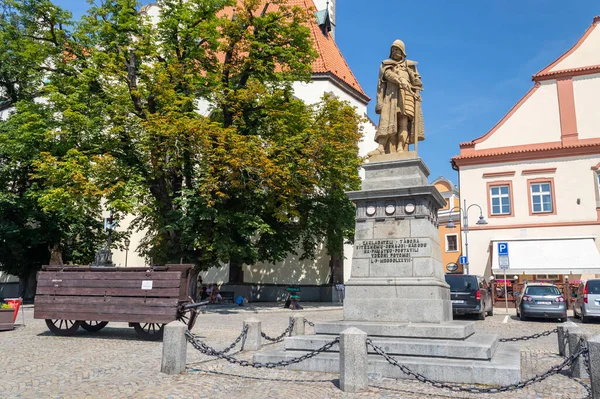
x=115 y=363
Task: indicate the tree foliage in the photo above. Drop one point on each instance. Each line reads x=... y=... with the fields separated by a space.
x=187 y=119
x=33 y=230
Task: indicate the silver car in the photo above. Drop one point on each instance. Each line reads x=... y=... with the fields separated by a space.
x=587 y=303
x=541 y=300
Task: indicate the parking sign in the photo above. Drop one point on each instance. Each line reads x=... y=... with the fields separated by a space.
x=502 y=249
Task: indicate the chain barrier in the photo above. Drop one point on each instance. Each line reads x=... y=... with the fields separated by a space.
x=230 y=347
x=280 y=337
x=513 y=387
x=207 y=350
x=528 y=337
x=310 y=323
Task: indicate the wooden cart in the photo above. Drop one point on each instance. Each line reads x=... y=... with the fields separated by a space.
x=90 y=297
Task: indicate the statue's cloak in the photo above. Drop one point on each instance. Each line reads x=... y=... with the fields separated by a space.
x=390 y=102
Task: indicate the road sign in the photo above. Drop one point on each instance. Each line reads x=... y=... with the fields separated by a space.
x=462 y=260
x=503 y=262
x=452 y=267
x=502 y=249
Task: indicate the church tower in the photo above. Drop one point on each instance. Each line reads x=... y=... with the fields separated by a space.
x=326 y=10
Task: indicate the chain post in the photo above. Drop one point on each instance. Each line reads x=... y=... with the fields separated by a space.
x=253 y=341
x=297 y=321
x=593 y=346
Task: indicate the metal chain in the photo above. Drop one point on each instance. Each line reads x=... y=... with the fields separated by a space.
x=513 y=387
x=528 y=337
x=230 y=347
x=207 y=350
x=586 y=362
x=280 y=337
x=310 y=323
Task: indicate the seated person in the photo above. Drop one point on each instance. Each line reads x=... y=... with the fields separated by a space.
x=215 y=295
x=209 y=291
x=203 y=293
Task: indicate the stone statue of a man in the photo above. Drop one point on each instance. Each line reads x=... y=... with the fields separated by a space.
x=398 y=103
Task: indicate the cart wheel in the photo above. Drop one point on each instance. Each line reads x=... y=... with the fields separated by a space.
x=149 y=331
x=93 y=326
x=63 y=327
x=188 y=318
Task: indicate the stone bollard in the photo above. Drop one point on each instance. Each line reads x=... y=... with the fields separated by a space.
x=563 y=333
x=353 y=360
x=298 y=321
x=174 y=348
x=578 y=369
x=594 y=347
x=253 y=340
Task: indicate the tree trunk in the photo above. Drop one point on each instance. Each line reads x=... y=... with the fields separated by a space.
x=236 y=271
x=337 y=270
x=28 y=285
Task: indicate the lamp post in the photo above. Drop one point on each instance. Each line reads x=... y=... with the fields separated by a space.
x=465 y=216
x=127 y=242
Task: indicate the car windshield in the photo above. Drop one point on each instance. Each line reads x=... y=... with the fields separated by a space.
x=542 y=290
x=593 y=287
x=462 y=283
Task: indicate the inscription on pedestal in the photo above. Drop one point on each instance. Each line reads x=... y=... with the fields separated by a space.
x=391 y=251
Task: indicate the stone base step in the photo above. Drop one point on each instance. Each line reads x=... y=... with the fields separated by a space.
x=456 y=329
x=503 y=369
x=477 y=346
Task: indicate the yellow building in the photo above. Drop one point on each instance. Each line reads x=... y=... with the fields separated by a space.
x=450 y=238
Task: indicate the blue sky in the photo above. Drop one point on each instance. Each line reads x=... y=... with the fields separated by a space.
x=476 y=57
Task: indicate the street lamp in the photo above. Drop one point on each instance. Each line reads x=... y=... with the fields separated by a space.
x=465 y=213
x=127 y=242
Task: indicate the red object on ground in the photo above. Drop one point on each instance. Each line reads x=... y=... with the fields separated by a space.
x=14 y=303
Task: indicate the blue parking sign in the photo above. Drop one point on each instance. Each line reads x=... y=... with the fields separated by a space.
x=502 y=249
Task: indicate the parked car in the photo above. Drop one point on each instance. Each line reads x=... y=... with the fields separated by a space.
x=541 y=300
x=587 y=301
x=470 y=294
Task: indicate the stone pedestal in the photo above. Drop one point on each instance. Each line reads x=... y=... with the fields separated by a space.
x=397 y=293
x=397 y=273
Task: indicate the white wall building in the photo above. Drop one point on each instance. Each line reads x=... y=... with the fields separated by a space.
x=536 y=174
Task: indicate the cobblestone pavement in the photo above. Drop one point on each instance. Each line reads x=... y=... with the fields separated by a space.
x=114 y=363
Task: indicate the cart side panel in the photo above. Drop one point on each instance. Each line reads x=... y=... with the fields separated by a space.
x=108 y=295
x=186 y=271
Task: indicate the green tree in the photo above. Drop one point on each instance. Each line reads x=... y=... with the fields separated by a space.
x=262 y=176
x=40 y=222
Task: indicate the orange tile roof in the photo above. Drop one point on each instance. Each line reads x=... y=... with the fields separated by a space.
x=329 y=60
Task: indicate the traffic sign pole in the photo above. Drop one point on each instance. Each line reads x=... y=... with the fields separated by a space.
x=506 y=292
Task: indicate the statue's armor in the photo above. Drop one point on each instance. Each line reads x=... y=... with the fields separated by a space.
x=401 y=71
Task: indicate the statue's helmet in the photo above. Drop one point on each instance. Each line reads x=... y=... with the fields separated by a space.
x=399 y=44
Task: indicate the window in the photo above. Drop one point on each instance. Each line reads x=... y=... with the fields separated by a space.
x=598 y=183
x=541 y=197
x=500 y=200
x=451 y=243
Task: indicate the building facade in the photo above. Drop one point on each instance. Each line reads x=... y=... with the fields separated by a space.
x=450 y=237
x=536 y=175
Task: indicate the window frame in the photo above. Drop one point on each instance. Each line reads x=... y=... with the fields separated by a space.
x=446 y=242
x=530 y=183
x=500 y=183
